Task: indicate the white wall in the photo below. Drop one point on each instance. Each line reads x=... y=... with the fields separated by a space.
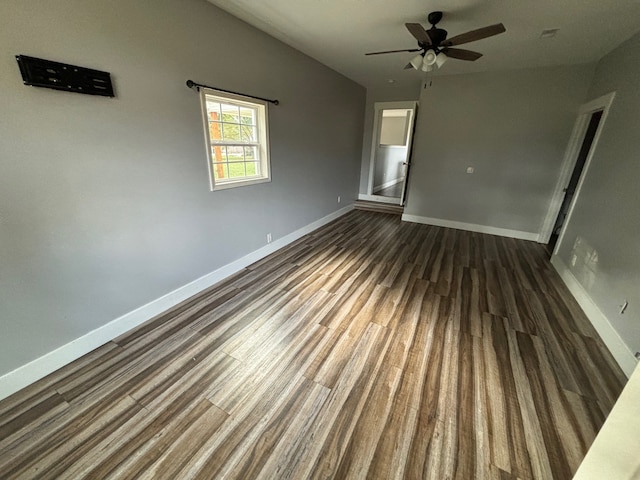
x=606 y=217
x=104 y=203
x=614 y=452
x=512 y=127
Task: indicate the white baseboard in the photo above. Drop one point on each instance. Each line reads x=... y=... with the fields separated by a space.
x=388 y=184
x=471 y=227
x=615 y=344
x=52 y=361
x=379 y=199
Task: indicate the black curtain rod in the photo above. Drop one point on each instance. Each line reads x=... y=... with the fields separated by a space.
x=191 y=84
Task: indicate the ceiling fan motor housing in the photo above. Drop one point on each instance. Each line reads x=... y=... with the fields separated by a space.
x=437 y=35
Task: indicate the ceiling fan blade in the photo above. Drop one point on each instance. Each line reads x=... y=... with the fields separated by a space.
x=394 y=51
x=474 y=35
x=418 y=33
x=461 y=54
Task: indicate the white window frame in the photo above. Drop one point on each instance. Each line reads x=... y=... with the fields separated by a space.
x=262 y=126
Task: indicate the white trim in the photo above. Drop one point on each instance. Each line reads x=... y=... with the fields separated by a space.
x=388 y=184
x=407 y=159
x=570 y=157
x=620 y=351
x=245 y=182
x=52 y=361
x=471 y=227
x=379 y=199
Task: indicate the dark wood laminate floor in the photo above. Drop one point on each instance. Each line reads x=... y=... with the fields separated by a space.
x=368 y=349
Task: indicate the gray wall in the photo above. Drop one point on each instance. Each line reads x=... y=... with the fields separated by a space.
x=512 y=127
x=606 y=216
x=104 y=203
x=408 y=90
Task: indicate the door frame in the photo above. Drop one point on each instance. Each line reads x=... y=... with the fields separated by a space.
x=377 y=108
x=570 y=157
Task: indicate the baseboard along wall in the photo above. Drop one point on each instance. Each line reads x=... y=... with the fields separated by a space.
x=471 y=227
x=620 y=351
x=52 y=361
x=388 y=184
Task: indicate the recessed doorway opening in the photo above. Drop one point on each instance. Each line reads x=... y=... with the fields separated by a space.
x=582 y=144
x=391 y=151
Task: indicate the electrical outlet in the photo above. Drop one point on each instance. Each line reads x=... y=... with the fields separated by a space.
x=470 y=169
x=269 y=238
x=339 y=199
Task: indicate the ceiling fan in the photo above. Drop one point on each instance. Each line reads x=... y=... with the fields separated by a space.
x=435 y=48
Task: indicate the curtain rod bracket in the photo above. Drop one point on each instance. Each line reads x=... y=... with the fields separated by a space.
x=191 y=84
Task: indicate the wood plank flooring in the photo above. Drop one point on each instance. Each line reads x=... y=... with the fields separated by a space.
x=369 y=349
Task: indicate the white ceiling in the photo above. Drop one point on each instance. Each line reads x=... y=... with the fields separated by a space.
x=339 y=32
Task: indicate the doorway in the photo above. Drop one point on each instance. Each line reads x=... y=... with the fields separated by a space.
x=391 y=151
x=570 y=190
x=582 y=144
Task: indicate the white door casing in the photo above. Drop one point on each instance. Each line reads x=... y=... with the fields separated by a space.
x=571 y=155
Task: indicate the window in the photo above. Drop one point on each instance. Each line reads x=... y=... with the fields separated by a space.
x=236 y=133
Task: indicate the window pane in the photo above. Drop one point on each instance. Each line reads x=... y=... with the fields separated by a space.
x=248 y=133
x=213 y=109
x=234 y=153
x=247 y=116
x=230 y=113
x=253 y=168
x=250 y=153
x=219 y=154
x=220 y=171
x=236 y=170
x=231 y=131
x=215 y=130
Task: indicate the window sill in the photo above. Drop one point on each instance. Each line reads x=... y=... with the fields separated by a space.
x=239 y=183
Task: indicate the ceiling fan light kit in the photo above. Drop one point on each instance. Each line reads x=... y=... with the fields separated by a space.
x=416 y=62
x=427 y=67
x=440 y=59
x=434 y=47
x=430 y=57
